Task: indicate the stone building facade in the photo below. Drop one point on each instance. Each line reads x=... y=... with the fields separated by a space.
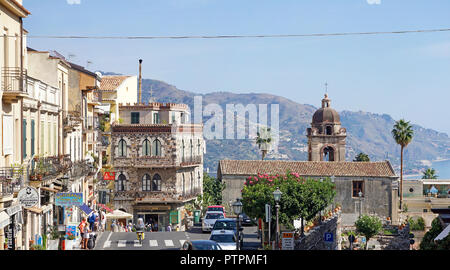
x=158 y=162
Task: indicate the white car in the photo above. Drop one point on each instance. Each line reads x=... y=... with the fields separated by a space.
x=225 y=238
x=209 y=220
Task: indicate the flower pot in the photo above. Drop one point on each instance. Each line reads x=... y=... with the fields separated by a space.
x=69 y=244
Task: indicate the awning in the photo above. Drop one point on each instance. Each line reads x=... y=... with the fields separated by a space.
x=117 y=214
x=443 y=234
x=49 y=189
x=35 y=210
x=4 y=219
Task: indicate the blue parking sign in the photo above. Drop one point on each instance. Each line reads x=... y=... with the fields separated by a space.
x=328 y=237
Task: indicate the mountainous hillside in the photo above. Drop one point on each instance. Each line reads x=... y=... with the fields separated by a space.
x=366 y=132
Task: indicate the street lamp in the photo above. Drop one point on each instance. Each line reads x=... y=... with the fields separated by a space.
x=277 y=196
x=237 y=209
x=360 y=194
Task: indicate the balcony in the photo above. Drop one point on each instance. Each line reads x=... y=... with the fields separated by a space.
x=49 y=167
x=191 y=161
x=71 y=120
x=11 y=180
x=13 y=82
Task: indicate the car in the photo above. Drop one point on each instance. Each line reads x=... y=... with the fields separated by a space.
x=246 y=220
x=228 y=224
x=200 y=245
x=209 y=220
x=225 y=238
x=216 y=208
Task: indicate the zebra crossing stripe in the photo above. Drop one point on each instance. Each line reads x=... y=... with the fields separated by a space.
x=122 y=243
x=153 y=243
x=107 y=244
x=168 y=243
x=137 y=244
x=182 y=242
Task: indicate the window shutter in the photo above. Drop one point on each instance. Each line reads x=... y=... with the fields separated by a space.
x=7 y=134
x=32 y=137
x=24 y=138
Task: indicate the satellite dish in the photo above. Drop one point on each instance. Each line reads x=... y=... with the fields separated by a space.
x=99 y=74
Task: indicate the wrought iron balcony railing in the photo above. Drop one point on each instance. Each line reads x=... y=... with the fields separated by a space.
x=14 y=80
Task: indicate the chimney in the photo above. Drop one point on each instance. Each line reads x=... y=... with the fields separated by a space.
x=140 y=80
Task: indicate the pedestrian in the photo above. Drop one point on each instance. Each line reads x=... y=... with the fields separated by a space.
x=85 y=237
x=130 y=227
x=91 y=221
x=82 y=226
x=103 y=222
x=114 y=227
x=169 y=228
x=156 y=227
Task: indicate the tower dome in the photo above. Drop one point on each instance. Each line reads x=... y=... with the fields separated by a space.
x=326 y=114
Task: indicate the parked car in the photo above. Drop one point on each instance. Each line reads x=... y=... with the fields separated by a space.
x=200 y=245
x=209 y=220
x=216 y=208
x=228 y=224
x=225 y=238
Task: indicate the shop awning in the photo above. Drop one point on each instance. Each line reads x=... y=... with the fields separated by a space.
x=443 y=234
x=117 y=214
x=4 y=219
x=50 y=189
x=35 y=210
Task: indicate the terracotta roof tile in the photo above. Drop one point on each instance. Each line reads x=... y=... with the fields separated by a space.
x=112 y=82
x=306 y=168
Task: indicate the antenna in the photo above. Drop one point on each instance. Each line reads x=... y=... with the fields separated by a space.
x=152 y=99
x=88 y=63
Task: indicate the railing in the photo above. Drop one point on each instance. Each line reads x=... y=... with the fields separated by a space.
x=71 y=119
x=14 y=79
x=11 y=180
x=81 y=168
x=46 y=167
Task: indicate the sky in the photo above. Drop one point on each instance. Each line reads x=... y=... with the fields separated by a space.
x=406 y=76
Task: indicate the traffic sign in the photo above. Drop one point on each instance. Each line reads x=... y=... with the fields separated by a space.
x=328 y=237
x=109 y=176
x=268 y=213
x=287 y=242
x=28 y=197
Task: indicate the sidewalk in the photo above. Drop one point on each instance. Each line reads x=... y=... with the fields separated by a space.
x=77 y=245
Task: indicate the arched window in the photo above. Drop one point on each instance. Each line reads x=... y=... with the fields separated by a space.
x=156 y=148
x=146 y=180
x=122 y=148
x=329 y=130
x=328 y=154
x=121 y=182
x=146 y=148
x=156 y=183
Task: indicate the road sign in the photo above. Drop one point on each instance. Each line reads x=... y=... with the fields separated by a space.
x=268 y=213
x=69 y=199
x=328 y=237
x=287 y=242
x=109 y=176
x=28 y=197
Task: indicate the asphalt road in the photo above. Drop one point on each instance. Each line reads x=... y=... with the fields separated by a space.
x=165 y=240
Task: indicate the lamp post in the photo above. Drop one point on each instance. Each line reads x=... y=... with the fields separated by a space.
x=277 y=196
x=360 y=194
x=237 y=209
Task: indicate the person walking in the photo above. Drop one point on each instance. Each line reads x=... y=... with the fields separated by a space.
x=86 y=237
x=114 y=226
x=103 y=221
x=82 y=226
x=169 y=228
x=91 y=221
x=130 y=227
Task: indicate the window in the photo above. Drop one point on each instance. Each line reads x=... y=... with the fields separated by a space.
x=156 y=148
x=122 y=148
x=191 y=146
x=173 y=117
x=146 y=148
x=155 y=118
x=24 y=136
x=156 y=183
x=358 y=186
x=146 y=180
x=121 y=182
x=134 y=118
x=32 y=137
x=329 y=130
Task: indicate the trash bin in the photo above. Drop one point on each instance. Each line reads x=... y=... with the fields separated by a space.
x=196 y=216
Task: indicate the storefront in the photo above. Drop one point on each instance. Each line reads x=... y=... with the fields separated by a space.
x=159 y=215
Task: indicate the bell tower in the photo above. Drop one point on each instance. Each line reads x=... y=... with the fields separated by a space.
x=326 y=137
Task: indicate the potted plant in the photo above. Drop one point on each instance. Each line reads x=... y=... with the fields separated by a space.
x=70 y=242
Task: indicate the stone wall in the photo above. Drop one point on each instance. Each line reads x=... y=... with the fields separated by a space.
x=314 y=239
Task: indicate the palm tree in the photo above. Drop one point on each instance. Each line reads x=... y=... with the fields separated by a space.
x=263 y=140
x=429 y=173
x=403 y=134
x=361 y=157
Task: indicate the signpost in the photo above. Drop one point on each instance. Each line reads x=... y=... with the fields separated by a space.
x=268 y=218
x=287 y=242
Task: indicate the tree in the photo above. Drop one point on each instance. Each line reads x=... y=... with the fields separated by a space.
x=368 y=226
x=361 y=157
x=301 y=197
x=264 y=140
x=403 y=134
x=429 y=173
x=212 y=191
x=428 y=242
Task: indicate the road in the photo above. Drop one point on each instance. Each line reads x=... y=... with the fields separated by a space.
x=165 y=240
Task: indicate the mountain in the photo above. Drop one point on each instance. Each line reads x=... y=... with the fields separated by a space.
x=366 y=132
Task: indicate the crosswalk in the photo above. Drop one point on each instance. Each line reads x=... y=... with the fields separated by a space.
x=152 y=243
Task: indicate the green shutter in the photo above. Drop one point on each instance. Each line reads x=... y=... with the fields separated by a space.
x=32 y=137
x=134 y=118
x=24 y=139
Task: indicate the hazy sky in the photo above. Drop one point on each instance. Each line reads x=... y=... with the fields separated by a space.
x=406 y=76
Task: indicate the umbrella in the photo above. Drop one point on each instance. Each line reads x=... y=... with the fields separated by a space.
x=434 y=190
x=118 y=214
